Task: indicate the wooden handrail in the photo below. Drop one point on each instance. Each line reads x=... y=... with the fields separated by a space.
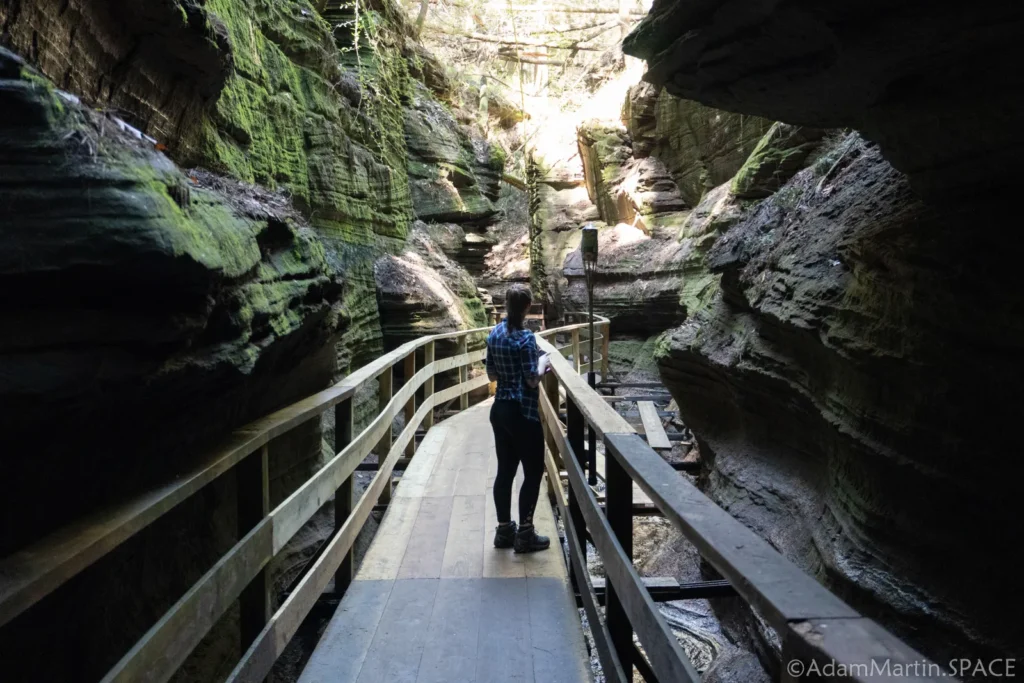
x=33 y=573
x=667 y=658
x=160 y=652
x=812 y=622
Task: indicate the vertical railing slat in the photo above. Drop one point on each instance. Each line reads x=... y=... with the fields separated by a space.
x=383 y=398
x=344 y=496
x=252 y=477
x=463 y=347
x=428 y=386
x=576 y=358
x=606 y=334
x=410 y=407
x=619 y=510
x=574 y=432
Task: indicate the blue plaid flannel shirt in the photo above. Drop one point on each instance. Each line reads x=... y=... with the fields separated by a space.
x=512 y=356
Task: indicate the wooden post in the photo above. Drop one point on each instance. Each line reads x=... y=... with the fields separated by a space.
x=591 y=455
x=463 y=371
x=428 y=386
x=252 y=477
x=343 y=497
x=383 y=398
x=574 y=432
x=410 y=406
x=576 y=359
x=606 y=334
x=788 y=656
x=550 y=386
x=619 y=510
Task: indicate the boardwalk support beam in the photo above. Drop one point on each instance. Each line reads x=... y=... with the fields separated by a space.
x=619 y=510
x=344 y=496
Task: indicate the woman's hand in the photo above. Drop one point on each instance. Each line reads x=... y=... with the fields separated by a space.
x=543 y=364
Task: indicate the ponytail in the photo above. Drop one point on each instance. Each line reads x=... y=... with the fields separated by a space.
x=517 y=302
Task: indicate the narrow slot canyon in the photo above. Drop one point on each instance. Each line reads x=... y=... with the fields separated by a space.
x=240 y=239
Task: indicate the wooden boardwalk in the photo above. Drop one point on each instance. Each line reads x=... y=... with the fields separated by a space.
x=434 y=601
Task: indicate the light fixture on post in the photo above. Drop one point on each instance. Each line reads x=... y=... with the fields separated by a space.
x=588 y=249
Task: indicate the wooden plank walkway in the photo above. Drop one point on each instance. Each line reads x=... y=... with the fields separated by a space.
x=434 y=601
x=655 y=431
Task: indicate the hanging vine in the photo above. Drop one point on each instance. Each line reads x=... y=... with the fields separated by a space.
x=382 y=77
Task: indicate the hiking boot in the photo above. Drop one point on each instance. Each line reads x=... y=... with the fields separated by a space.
x=504 y=535
x=529 y=541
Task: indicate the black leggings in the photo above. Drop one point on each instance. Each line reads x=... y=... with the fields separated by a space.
x=516 y=440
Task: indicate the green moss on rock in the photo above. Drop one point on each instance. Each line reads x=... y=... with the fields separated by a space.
x=280 y=122
x=779 y=155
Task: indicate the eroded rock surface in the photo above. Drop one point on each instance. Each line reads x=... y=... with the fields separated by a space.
x=453 y=175
x=422 y=291
x=149 y=310
x=937 y=87
x=833 y=382
x=700 y=146
x=153 y=309
x=641 y=177
x=139 y=296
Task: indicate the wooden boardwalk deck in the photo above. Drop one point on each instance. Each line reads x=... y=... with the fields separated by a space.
x=434 y=601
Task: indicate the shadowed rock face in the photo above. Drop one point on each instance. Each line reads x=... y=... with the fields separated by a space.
x=138 y=297
x=852 y=384
x=700 y=146
x=852 y=362
x=422 y=290
x=936 y=85
x=453 y=176
x=164 y=83
x=151 y=310
x=148 y=311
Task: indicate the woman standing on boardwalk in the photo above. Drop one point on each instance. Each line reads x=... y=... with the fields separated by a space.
x=514 y=362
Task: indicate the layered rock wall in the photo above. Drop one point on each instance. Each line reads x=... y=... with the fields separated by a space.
x=805 y=379
x=849 y=362
x=936 y=86
x=155 y=309
x=641 y=176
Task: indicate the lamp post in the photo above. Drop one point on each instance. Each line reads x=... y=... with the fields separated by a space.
x=588 y=248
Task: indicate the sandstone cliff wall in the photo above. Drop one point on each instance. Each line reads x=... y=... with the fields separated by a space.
x=155 y=308
x=637 y=179
x=850 y=364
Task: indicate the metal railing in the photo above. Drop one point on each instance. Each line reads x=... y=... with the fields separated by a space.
x=813 y=624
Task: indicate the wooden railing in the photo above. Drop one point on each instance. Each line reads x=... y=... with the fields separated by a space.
x=241 y=574
x=814 y=625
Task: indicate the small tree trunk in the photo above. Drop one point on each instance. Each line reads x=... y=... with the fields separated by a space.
x=421 y=18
